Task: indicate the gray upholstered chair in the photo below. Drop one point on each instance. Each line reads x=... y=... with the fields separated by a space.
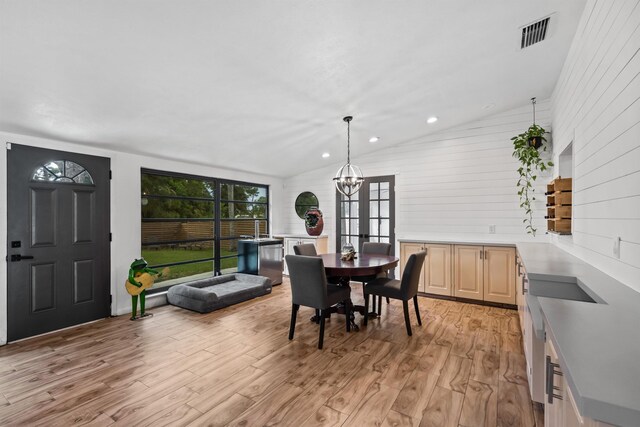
x=306 y=249
x=309 y=287
x=374 y=248
x=404 y=289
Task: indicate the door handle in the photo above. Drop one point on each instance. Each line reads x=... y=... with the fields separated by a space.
x=18 y=257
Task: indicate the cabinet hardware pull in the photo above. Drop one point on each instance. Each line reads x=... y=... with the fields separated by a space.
x=550 y=387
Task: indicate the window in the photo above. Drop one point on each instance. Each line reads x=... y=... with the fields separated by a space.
x=181 y=230
x=62 y=171
x=241 y=205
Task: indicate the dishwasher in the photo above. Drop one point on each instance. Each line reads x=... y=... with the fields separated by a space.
x=261 y=257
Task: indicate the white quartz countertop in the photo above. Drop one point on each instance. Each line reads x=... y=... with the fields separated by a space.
x=598 y=343
x=298 y=236
x=489 y=239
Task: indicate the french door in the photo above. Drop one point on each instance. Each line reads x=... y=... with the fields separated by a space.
x=369 y=215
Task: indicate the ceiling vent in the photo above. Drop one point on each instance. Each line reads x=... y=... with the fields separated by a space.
x=534 y=33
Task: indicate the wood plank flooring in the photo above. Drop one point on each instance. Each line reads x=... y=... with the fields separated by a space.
x=463 y=367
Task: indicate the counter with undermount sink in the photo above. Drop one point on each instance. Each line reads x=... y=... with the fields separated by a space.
x=593 y=323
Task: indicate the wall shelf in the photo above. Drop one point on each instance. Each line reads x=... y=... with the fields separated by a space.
x=559 y=201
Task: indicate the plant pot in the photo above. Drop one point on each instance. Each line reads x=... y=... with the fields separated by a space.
x=314 y=224
x=535 y=142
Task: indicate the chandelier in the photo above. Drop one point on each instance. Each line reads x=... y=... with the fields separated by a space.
x=349 y=178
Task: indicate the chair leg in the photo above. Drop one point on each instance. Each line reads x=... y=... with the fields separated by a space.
x=379 y=305
x=388 y=302
x=415 y=304
x=366 y=308
x=292 y=326
x=321 y=339
x=407 y=322
x=317 y=316
x=347 y=314
x=373 y=304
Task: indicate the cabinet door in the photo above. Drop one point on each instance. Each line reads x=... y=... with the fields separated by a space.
x=406 y=250
x=519 y=294
x=288 y=250
x=322 y=244
x=554 y=410
x=499 y=274
x=437 y=270
x=467 y=272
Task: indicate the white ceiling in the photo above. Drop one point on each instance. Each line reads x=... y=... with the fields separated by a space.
x=262 y=85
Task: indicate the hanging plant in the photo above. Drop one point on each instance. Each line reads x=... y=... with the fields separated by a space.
x=525 y=149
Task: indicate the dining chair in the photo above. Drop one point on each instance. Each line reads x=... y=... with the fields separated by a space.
x=374 y=248
x=404 y=289
x=306 y=249
x=309 y=287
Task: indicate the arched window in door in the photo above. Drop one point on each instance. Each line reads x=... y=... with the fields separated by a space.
x=62 y=171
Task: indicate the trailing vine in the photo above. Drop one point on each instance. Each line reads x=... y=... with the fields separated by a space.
x=531 y=162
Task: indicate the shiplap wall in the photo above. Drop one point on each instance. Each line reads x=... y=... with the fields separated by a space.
x=455 y=183
x=596 y=104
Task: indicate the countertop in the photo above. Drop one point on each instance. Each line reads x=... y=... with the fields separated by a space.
x=598 y=344
x=488 y=239
x=299 y=236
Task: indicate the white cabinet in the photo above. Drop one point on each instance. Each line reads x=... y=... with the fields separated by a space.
x=321 y=243
x=533 y=346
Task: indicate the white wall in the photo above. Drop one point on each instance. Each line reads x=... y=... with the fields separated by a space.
x=596 y=104
x=125 y=224
x=452 y=184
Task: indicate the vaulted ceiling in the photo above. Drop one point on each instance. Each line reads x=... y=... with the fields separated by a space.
x=262 y=86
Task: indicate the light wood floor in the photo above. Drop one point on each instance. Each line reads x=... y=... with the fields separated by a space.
x=463 y=367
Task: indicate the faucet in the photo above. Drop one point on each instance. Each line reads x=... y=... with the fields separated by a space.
x=257 y=229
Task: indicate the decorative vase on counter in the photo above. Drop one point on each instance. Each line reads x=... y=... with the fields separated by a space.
x=313 y=221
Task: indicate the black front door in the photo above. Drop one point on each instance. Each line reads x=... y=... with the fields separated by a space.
x=58 y=240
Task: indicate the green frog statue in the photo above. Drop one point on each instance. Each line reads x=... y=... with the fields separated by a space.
x=141 y=278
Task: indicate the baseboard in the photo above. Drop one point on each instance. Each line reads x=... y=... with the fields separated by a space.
x=469 y=301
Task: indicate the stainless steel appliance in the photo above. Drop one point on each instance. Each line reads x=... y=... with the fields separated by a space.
x=261 y=257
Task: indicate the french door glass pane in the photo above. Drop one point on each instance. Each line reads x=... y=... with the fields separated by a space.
x=373 y=227
x=373 y=209
x=373 y=191
x=384 y=190
x=344 y=209
x=384 y=227
x=384 y=209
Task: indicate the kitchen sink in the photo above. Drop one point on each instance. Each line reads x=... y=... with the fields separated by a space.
x=568 y=289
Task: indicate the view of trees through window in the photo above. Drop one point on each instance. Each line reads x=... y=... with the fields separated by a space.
x=180 y=228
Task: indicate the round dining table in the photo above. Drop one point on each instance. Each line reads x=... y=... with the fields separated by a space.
x=362 y=265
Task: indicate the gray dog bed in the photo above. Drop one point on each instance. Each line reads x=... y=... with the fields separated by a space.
x=206 y=295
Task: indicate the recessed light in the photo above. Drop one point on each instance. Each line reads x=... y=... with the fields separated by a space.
x=374 y=139
x=325 y=155
x=432 y=119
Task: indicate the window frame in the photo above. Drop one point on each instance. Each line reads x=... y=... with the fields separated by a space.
x=217 y=219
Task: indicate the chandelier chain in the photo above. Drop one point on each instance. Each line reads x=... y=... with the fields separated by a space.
x=348 y=143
